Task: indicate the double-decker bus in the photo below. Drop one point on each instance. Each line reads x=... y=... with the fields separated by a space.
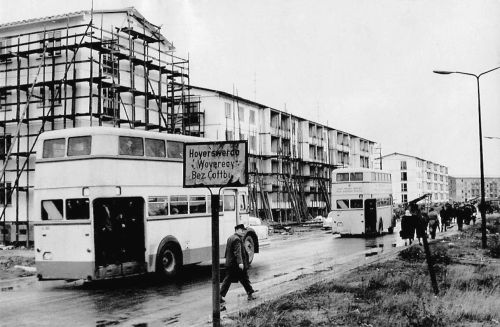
x=111 y=203
x=362 y=202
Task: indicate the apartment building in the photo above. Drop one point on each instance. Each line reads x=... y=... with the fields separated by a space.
x=413 y=177
x=469 y=188
x=106 y=67
x=291 y=158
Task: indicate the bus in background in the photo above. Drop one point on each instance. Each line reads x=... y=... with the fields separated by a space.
x=362 y=202
x=111 y=203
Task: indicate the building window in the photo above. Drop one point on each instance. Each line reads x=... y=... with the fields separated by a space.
x=404 y=198
x=5 y=142
x=229 y=135
x=50 y=96
x=52 y=40
x=241 y=113
x=403 y=165
x=404 y=176
x=252 y=140
x=5 y=193
x=110 y=104
x=404 y=187
x=229 y=112
x=252 y=117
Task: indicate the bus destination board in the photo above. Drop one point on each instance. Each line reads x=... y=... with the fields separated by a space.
x=216 y=164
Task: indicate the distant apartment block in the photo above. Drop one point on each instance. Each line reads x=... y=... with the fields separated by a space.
x=469 y=188
x=413 y=177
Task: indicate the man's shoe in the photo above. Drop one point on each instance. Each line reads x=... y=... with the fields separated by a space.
x=251 y=297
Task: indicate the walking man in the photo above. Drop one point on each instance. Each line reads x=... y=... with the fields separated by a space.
x=236 y=264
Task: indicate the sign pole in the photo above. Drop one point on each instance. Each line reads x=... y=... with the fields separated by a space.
x=215 y=260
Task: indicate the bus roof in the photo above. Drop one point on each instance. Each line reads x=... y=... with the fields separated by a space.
x=104 y=130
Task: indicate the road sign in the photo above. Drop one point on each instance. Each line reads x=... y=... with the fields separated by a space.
x=216 y=164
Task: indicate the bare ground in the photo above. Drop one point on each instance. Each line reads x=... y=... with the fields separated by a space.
x=9 y=259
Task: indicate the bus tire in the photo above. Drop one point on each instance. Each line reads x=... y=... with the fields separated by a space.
x=169 y=261
x=249 y=244
x=380 y=226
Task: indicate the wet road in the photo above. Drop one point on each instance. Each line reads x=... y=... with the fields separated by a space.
x=145 y=301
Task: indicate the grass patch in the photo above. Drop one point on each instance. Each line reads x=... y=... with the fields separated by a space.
x=396 y=292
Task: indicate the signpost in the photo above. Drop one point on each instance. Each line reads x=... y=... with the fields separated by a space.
x=215 y=164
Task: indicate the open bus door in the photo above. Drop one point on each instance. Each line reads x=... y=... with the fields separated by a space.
x=370 y=216
x=119 y=236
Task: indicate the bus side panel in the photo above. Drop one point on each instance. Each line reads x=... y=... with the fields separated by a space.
x=349 y=222
x=386 y=214
x=194 y=236
x=64 y=251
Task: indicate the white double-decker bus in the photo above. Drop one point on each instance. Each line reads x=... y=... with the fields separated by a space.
x=362 y=202
x=111 y=203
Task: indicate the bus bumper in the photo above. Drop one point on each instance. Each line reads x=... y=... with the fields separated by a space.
x=65 y=269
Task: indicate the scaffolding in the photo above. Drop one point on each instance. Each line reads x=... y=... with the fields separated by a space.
x=84 y=75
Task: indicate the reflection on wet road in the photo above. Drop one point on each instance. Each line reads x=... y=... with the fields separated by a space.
x=145 y=301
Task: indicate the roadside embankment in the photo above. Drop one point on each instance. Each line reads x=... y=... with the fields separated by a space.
x=395 y=289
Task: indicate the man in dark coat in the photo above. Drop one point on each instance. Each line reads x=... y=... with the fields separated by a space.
x=236 y=264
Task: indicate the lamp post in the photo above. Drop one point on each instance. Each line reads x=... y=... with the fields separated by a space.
x=482 y=205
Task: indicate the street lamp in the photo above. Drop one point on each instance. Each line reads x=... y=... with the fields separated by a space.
x=482 y=205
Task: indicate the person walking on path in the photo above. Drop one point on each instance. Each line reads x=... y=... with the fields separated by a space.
x=407 y=227
x=237 y=264
x=433 y=222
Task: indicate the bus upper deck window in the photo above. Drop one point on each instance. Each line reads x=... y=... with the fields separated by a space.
x=131 y=146
x=342 y=177
x=342 y=204
x=356 y=177
x=175 y=149
x=356 y=204
x=52 y=210
x=155 y=148
x=79 y=146
x=54 y=148
x=77 y=209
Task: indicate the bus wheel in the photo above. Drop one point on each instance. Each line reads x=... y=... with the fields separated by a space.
x=380 y=226
x=250 y=247
x=168 y=262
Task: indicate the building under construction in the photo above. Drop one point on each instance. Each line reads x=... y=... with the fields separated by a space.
x=114 y=68
x=88 y=68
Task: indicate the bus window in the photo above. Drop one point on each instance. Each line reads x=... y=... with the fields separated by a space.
x=356 y=204
x=229 y=203
x=157 y=206
x=342 y=177
x=356 y=177
x=52 y=210
x=342 y=204
x=209 y=205
x=131 y=146
x=77 y=209
x=242 y=201
x=54 y=148
x=178 y=204
x=79 y=146
x=155 y=148
x=197 y=204
x=174 y=149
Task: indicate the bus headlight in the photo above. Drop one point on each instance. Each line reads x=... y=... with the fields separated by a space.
x=47 y=256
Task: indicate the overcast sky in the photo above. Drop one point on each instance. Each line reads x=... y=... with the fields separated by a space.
x=364 y=67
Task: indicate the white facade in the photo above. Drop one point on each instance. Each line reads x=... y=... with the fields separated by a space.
x=413 y=177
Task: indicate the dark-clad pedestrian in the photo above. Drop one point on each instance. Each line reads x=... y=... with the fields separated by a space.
x=407 y=232
x=237 y=264
x=461 y=213
x=433 y=222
